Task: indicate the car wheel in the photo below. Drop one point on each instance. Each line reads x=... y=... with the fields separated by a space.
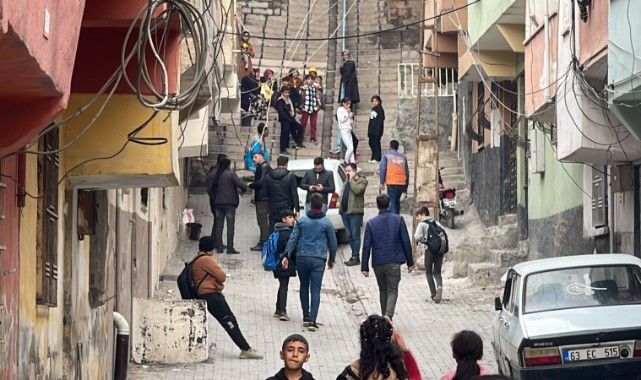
x=341 y=236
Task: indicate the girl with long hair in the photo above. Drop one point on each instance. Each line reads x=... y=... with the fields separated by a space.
x=467 y=350
x=345 y=118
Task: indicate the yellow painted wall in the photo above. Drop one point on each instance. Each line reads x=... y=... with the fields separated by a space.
x=137 y=165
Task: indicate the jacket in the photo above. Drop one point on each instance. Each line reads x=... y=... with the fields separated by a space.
x=376 y=120
x=261 y=172
x=216 y=276
x=394 y=170
x=285 y=112
x=311 y=178
x=388 y=241
x=281 y=375
x=313 y=234
x=227 y=191
x=209 y=182
x=283 y=239
x=344 y=119
x=356 y=199
x=280 y=187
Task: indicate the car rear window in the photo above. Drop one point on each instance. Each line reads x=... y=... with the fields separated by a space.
x=582 y=287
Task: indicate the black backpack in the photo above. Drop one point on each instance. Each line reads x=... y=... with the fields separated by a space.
x=186 y=281
x=436 y=239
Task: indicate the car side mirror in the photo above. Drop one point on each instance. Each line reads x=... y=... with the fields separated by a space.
x=497 y=304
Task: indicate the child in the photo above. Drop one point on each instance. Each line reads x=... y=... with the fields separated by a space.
x=467 y=349
x=318 y=82
x=295 y=353
x=285 y=230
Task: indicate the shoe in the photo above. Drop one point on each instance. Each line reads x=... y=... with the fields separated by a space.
x=439 y=295
x=301 y=146
x=257 y=248
x=352 y=261
x=306 y=321
x=232 y=252
x=220 y=250
x=250 y=354
x=313 y=141
x=284 y=317
x=284 y=153
x=277 y=314
x=313 y=326
x=373 y=162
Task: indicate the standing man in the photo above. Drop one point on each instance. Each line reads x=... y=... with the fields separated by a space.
x=208 y=273
x=311 y=105
x=210 y=190
x=388 y=241
x=226 y=185
x=395 y=173
x=313 y=235
x=261 y=203
x=352 y=210
x=287 y=119
x=319 y=181
x=280 y=188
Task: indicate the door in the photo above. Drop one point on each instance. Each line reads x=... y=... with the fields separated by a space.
x=498 y=326
x=510 y=330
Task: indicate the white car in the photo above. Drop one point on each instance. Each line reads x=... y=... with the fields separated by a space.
x=299 y=167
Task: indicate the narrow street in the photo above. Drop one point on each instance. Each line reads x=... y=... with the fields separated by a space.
x=346 y=299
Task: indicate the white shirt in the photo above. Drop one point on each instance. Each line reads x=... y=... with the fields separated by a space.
x=344 y=119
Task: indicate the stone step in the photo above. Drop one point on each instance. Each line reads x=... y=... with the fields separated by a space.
x=506 y=257
x=451 y=171
x=449 y=154
x=481 y=274
x=449 y=178
x=449 y=163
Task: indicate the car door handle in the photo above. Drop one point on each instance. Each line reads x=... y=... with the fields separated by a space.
x=501 y=319
x=506 y=324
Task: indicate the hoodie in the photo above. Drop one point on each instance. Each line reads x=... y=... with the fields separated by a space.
x=313 y=235
x=281 y=375
x=280 y=187
x=420 y=235
x=376 y=120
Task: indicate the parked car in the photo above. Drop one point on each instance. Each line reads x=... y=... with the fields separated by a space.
x=573 y=317
x=299 y=167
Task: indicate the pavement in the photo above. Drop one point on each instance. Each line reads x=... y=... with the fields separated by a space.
x=346 y=299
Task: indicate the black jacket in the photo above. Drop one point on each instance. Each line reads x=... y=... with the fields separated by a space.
x=348 y=78
x=284 y=115
x=376 y=120
x=281 y=189
x=281 y=375
x=261 y=171
x=311 y=178
x=283 y=239
x=227 y=189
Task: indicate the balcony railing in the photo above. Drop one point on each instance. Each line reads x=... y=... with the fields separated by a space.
x=408 y=76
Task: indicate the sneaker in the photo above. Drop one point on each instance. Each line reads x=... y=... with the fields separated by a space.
x=250 y=354
x=257 y=247
x=232 y=252
x=352 y=261
x=284 y=317
x=313 y=141
x=439 y=295
x=313 y=326
x=301 y=146
x=373 y=162
x=277 y=314
x=306 y=321
x=284 y=153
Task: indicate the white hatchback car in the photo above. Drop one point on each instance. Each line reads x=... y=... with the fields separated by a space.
x=299 y=167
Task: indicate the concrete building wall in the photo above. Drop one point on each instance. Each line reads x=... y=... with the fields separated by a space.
x=483 y=15
x=404 y=128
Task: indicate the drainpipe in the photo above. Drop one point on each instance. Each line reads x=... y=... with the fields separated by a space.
x=343 y=26
x=546 y=52
x=610 y=208
x=122 y=347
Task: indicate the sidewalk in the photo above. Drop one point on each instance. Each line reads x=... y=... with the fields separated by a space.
x=346 y=298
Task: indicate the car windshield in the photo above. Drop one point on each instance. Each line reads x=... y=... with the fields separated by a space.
x=582 y=287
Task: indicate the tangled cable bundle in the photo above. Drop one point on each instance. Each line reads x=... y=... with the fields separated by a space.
x=156 y=20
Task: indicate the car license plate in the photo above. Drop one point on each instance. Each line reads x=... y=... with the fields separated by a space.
x=593 y=353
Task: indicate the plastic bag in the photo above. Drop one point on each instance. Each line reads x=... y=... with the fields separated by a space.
x=188 y=215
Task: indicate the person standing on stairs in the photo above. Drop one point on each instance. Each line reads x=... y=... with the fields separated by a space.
x=395 y=173
x=375 y=128
x=286 y=117
x=345 y=119
x=349 y=82
x=311 y=105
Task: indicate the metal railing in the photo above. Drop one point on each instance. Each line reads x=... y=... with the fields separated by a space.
x=408 y=76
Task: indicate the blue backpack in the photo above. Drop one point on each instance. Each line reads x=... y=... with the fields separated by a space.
x=185 y=280
x=269 y=256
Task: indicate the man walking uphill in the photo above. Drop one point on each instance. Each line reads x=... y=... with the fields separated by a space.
x=280 y=188
x=395 y=173
x=388 y=241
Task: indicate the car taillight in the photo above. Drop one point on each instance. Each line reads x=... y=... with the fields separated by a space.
x=637 y=349
x=333 y=202
x=541 y=356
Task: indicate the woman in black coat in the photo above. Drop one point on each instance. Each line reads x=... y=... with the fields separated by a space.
x=376 y=127
x=349 y=83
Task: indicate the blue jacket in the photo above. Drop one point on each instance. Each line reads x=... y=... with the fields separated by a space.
x=388 y=241
x=313 y=234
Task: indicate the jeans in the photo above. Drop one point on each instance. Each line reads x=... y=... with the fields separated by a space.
x=261 y=218
x=281 y=296
x=394 y=192
x=310 y=271
x=388 y=277
x=228 y=213
x=433 y=266
x=312 y=124
x=375 y=145
x=308 y=206
x=348 y=144
x=219 y=308
x=352 y=223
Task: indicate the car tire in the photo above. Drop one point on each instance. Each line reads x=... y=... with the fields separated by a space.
x=341 y=237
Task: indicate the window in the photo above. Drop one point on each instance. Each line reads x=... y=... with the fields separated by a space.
x=144 y=196
x=47 y=289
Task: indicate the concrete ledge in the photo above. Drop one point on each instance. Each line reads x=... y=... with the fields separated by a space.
x=169 y=331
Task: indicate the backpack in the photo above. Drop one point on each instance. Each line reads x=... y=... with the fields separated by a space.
x=269 y=256
x=185 y=281
x=436 y=239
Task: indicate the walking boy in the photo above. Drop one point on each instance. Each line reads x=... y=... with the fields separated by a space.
x=284 y=229
x=295 y=353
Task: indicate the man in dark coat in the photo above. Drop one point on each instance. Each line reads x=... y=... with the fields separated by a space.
x=349 y=83
x=318 y=180
x=226 y=185
x=280 y=187
x=261 y=204
x=210 y=191
x=287 y=119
